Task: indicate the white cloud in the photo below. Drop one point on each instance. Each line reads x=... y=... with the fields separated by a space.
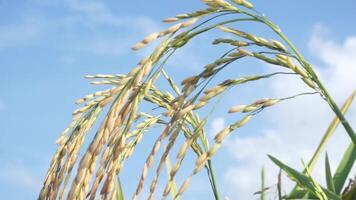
x=18 y=175
x=94 y=11
x=217 y=125
x=137 y=27
x=88 y=26
x=295 y=128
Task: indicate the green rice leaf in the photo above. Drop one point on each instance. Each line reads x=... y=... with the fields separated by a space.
x=329 y=132
x=328 y=176
x=303 y=181
x=344 y=168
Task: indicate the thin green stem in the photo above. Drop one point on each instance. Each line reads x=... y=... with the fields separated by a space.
x=328 y=98
x=279 y=185
x=263 y=184
x=326 y=94
x=213 y=180
x=297 y=95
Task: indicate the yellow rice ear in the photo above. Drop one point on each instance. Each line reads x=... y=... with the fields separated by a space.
x=171 y=19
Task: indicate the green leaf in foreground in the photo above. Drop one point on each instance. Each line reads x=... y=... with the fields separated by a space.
x=296 y=192
x=328 y=176
x=344 y=168
x=330 y=131
x=302 y=180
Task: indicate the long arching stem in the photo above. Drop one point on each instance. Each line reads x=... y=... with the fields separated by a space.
x=326 y=94
x=328 y=98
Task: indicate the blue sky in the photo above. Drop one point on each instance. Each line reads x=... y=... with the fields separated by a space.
x=46 y=47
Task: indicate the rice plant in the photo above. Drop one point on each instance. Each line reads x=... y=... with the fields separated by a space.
x=94 y=173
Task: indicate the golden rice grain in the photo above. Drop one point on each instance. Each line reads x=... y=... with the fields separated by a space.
x=150 y=38
x=190 y=22
x=270 y=102
x=138 y=46
x=278 y=45
x=184 y=186
x=222 y=134
x=172 y=19
x=237 y=108
x=249 y=108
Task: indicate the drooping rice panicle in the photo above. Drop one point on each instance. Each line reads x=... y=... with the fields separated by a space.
x=123 y=127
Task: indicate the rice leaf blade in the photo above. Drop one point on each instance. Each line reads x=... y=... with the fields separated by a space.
x=328 y=176
x=302 y=180
x=344 y=168
x=329 y=132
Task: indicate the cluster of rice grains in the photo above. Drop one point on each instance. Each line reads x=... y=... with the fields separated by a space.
x=123 y=126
